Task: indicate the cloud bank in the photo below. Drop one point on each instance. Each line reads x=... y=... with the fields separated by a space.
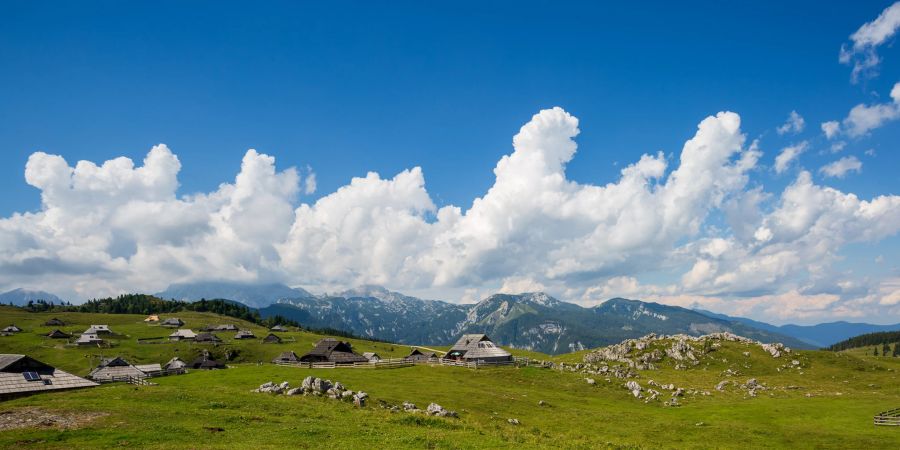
x=117 y=228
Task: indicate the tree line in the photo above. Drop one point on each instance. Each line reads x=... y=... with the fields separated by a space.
x=881 y=338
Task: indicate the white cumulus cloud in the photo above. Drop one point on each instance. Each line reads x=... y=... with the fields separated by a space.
x=841 y=167
x=862 y=54
x=794 y=124
x=788 y=155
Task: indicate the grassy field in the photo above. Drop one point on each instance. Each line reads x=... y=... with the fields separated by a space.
x=830 y=403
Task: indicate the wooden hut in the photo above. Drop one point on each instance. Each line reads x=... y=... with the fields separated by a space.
x=54 y=322
x=183 y=335
x=172 y=322
x=372 y=356
x=11 y=329
x=117 y=369
x=286 y=358
x=223 y=327
x=417 y=355
x=98 y=329
x=88 y=339
x=152 y=318
x=271 y=339
x=244 y=334
x=22 y=375
x=333 y=350
x=57 y=334
x=207 y=337
x=477 y=347
x=205 y=362
x=278 y=329
x=175 y=364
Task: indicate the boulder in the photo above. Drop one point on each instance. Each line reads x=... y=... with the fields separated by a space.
x=294 y=391
x=513 y=421
x=590 y=381
x=721 y=385
x=407 y=406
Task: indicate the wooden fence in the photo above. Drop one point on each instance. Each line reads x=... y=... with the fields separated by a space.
x=396 y=363
x=889 y=418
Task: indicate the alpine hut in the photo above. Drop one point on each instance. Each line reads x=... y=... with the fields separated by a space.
x=116 y=369
x=173 y=322
x=175 y=364
x=278 y=329
x=223 y=327
x=152 y=318
x=286 y=358
x=333 y=350
x=11 y=329
x=22 y=375
x=88 y=339
x=207 y=337
x=271 y=339
x=98 y=329
x=477 y=347
x=57 y=334
x=183 y=334
x=54 y=322
x=206 y=362
x=372 y=357
x=244 y=334
x=417 y=355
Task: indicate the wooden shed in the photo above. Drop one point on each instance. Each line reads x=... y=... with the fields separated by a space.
x=207 y=337
x=286 y=357
x=117 y=369
x=417 y=355
x=333 y=350
x=57 y=334
x=172 y=322
x=54 y=322
x=271 y=339
x=244 y=334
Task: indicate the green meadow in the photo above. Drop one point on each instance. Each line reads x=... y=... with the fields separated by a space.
x=826 y=401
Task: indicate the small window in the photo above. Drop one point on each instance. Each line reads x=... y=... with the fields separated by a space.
x=31 y=376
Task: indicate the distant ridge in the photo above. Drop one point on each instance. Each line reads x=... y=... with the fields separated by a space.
x=252 y=295
x=821 y=335
x=21 y=297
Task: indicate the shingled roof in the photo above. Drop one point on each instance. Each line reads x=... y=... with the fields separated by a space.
x=477 y=347
x=54 y=322
x=286 y=357
x=22 y=375
x=333 y=350
x=57 y=334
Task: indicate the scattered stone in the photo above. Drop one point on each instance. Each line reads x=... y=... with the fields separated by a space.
x=513 y=421
x=437 y=410
x=699 y=424
x=590 y=381
x=542 y=403
x=721 y=385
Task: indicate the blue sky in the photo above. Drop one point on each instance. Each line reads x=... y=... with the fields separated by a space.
x=341 y=89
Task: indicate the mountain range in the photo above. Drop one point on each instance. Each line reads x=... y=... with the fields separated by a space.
x=819 y=335
x=534 y=321
x=21 y=297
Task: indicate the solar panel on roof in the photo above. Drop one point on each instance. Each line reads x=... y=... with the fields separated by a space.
x=31 y=376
